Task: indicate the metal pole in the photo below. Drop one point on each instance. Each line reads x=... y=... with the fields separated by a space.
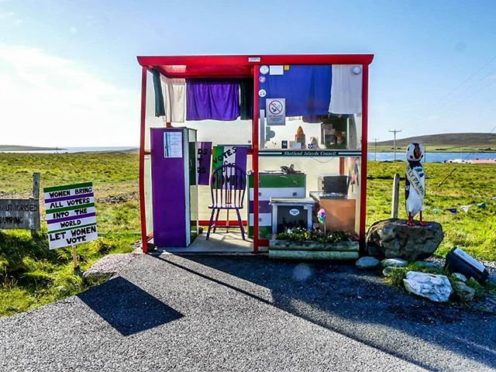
x=375 y=148
x=394 y=131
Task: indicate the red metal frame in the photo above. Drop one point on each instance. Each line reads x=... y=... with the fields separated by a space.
x=235 y=66
x=144 y=239
x=363 y=174
x=254 y=159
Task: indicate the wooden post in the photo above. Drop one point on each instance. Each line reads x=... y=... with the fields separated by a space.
x=36 y=197
x=75 y=259
x=396 y=196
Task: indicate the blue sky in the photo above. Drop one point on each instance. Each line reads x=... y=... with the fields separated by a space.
x=69 y=66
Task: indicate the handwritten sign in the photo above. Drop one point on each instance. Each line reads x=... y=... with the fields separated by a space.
x=22 y=213
x=70 y=214
x=204 y=153
x=18 y=213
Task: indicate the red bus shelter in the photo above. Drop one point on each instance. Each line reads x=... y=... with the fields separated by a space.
x=248 y=67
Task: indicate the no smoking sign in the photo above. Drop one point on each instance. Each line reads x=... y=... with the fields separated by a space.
x=276 y=111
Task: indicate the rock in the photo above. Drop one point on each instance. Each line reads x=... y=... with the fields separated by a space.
x=459 y=277
x=395 y=262
x=367 y=262
x=389 y=270
x=109 y=265
x=394 y=238
x=428 y=265
x=436 y=288
x=463 y=291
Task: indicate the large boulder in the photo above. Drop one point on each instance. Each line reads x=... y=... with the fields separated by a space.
x=393 y=238
x=436 y=288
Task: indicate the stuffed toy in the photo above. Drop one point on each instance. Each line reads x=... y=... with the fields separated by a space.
x=415 y=183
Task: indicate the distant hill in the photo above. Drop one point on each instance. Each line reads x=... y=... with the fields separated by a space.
x=26 y=148
x=480 y=141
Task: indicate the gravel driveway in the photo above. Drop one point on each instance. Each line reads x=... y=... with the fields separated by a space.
x=245 y=314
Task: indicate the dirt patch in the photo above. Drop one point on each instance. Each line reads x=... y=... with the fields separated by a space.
x=119 y=198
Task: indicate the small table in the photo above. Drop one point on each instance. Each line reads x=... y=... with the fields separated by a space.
x=291 y=212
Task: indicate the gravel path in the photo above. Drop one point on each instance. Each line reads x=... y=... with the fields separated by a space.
x=245 y=314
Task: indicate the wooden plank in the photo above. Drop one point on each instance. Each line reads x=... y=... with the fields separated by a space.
x=36 y=199
x=396 y=196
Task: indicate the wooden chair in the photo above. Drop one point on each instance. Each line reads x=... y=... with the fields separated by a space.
x=227 y=187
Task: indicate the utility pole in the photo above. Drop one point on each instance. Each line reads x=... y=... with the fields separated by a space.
x=375 y=148
x=394 y=131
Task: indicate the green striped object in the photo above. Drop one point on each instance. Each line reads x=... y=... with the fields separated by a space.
x=279 y=180
x=275 y=184
x=71 y=208
x=67 y=187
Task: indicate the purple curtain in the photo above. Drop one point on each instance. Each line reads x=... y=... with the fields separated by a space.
x=212 y=99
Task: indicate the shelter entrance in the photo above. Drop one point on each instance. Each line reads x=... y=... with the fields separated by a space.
x=198 y=165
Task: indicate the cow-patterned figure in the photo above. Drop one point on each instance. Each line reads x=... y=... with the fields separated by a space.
x=415 y=183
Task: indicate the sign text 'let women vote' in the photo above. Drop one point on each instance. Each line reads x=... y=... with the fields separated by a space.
x=70 y=214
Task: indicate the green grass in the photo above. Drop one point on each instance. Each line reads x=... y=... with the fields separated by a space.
x=474 y=231
x=32 y=275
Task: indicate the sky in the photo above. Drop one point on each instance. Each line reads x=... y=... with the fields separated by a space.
x=69 y=75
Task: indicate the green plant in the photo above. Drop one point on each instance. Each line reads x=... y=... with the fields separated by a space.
x=299 y=234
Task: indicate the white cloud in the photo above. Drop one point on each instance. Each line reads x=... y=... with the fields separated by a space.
x=51 y=101
x=7 y=15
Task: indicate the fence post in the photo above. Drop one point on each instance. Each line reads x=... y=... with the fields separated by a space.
x=396 y=196
x=36 y=197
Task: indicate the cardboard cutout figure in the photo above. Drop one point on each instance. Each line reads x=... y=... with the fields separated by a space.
x=415 y=183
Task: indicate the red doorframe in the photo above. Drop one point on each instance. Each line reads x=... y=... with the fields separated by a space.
x=144 y=238
x=255 y=143
x=363 y=174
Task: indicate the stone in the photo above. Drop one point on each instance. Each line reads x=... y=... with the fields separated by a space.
x=459 y=277
x=394 y=238
x=428 y=265
x=395 y=262
x=436 y=288
x=109 y=265
x=367 y=262
x=463 y=291
x=389 y=270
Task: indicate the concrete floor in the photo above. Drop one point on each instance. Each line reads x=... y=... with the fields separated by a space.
x=220 y=242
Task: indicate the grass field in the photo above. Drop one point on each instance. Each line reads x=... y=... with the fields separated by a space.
x=31 y=275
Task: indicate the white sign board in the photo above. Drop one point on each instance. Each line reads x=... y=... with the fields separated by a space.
x=276 y=111
x=70 y=214
x=173 y=145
